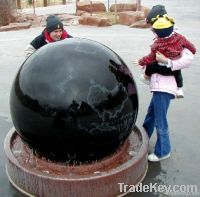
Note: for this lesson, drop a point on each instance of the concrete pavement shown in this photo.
(183, 167)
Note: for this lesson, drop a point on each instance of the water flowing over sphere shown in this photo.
(74, 99)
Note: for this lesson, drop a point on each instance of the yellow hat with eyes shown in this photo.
(163, 25)
(162, 22)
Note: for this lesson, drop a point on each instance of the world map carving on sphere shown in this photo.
(74, 97)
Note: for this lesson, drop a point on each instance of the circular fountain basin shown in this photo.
(37, 176)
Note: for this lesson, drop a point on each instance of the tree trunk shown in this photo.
(76, 6)
(19, 4)
(4, 15)
(34, 6)
(138, 5)
(45, 2)
(108, 5)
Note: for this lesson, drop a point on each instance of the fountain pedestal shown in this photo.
(36, 176)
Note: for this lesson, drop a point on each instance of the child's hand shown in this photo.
(161, 58)
(136, 62)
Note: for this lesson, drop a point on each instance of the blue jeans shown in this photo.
(157, 118)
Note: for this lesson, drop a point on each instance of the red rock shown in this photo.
(140, 24)
(130, 17)
(15, 26)
(145, 10)
(91, 6)
(94, 21)
(121, 7)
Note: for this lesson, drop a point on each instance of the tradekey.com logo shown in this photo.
(169, 190)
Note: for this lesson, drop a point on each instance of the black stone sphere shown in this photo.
(74, 99)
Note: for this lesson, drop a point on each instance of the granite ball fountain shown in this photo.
(74, 105)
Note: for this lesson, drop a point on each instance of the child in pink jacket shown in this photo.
(164, 89)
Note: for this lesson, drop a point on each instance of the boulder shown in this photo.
(130, 17)
(121, 7)
(26, 18)
(15, 26)
(140, 24)
(145, 10)
(94, 21)
(80, 13)
(91, 6)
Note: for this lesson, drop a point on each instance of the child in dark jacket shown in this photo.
(54, 31)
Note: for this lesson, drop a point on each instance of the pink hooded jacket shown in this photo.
(168, 84)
